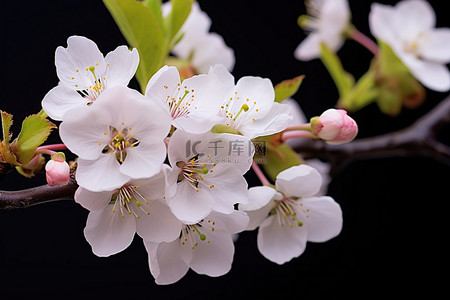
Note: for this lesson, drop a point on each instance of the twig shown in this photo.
(418, 139)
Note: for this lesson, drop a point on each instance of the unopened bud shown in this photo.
(334, 126)
(57, 170)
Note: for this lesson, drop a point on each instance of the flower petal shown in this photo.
(61, 99)
(281, 244)
(163, 84)
(122, 64)
(165, 261)
(92, 200)
(107, 232)
(381, 21)
(80, 54)
(212, 50)
(413, 17)
(144, 160)
(160, 225)
(325, 218)
(222, 73)
(299, 181)
(436, 45)
(432, 75)
(258, 197)
(101, 174)
(309, 48)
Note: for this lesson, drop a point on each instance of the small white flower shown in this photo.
(290, 215)
(249, 107)
(119, 138)
(192, 104)
(409, 29)
(327, 21)
(115, 216)
(84, 74)
(206, 247)
(202, 48)
(206, 174)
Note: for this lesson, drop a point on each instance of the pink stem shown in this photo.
(362, 39)
(260, 174)
(54, 147)
(301, 134)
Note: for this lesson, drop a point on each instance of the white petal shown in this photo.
(61, 99)
(436, 45)
(414, 16)
(92, 200)
(101, 174)
(145, 160)
(381, 21)
(432, 75)
(280, 244)
(83, 131)
(275, 121)
(160, 225)
(81, 53)
(212, 50)
(165, 261)
(258, 197)
(256, 89)
(234, 222)
(213, 256)
(335, 15)
(228, 188)
(325, 218)
(309, 48)
(107, 232)
(299, 181)
(188, 205)
(222, 73)
(122, 65)
(163, 84)
(151, 188)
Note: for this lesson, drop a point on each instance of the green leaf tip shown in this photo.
(287, 88)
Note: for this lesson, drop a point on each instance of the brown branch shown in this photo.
(37, 195)
(418, 139)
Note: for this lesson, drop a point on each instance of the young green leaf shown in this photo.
(6, 125)
(35, 131)
(176, 18)
(287, 88)
(142, 29)
(344, 81)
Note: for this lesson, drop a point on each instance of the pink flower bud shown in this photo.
(57, 172)
(334, 126)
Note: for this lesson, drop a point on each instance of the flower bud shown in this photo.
(334, 126)
(57, 170)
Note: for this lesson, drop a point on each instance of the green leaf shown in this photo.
(344, 81)
(155, 7)
(35, 131)
(176, 18)
(279, 158)
(388, 62)
(6, 125)
(141, 28)
(287, 88)
(363, 93)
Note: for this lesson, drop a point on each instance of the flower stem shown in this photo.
(54, 147)
(363, 40)
(259, 173)
(306, 126)
(302, 134)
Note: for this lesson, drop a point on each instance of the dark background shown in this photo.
(394, 236)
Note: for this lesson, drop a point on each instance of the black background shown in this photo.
(394, 236)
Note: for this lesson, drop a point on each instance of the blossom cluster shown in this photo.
(168, 164)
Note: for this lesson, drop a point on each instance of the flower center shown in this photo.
(129, 201)
(192, 235)
(194, 170)
(89, 84)
(288, 211)
(238, 113)
(119, 143)
(180, 104)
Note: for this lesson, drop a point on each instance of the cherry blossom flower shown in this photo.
(409, 29)
(119, 138)
(115, 216)
(327, 22)
(84, 74)
(334, 126)
(290, 214)
(249, 107)
(206, 173)
(206, 247)
(192, 103)
(201, 47)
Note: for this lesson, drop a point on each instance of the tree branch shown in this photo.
(418, 139)
(37, 195)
